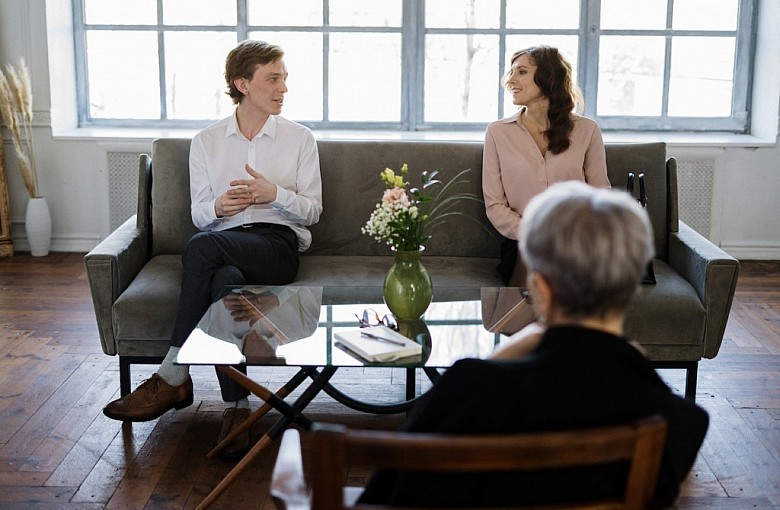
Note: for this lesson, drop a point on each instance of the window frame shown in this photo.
(413, 33)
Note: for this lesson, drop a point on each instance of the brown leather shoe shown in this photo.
(232, 417)
(150, 400)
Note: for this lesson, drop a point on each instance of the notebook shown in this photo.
(389, 346)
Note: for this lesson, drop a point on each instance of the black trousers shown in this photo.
(508, 259)
(262, 254)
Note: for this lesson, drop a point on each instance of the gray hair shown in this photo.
(591, 245)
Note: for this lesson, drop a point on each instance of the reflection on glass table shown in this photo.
(297, 326)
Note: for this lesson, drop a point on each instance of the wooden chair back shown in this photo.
(335, 448)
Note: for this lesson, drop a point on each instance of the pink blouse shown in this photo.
(514, 170)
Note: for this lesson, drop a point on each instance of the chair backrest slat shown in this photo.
(640, 443)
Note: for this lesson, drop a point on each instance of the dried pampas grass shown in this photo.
(17, 113)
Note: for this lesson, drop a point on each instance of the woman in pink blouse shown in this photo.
(543, 143)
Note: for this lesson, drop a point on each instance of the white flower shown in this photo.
(404, 216)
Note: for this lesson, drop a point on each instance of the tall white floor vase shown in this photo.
(37, 221)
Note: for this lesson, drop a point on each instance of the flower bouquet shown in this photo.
(406, 216)
(404, 219)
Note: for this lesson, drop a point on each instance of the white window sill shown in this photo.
(146, 135)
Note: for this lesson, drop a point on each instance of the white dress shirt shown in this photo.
(284, 151)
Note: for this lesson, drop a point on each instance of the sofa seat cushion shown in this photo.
(668, 319)
(144, 313)
(358, 270)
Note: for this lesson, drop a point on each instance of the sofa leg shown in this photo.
(124, 369)
(124, 375)
(691, 375)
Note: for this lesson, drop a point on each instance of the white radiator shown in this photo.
(123, 186)
(695, 188)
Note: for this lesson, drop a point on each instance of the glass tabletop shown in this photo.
(298, 326)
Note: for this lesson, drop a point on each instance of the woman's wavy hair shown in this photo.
(555, 81)
(242, 61)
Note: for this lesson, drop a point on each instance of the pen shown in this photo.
(381, 338)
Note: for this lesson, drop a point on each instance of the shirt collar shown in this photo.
(269, 128)
(232, 125)
(514, 118)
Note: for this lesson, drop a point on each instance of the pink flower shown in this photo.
(396, 195)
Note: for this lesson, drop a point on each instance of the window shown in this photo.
(417, 64)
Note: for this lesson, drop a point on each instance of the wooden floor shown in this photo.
(57, 450)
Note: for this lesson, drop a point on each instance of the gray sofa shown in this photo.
(134, 273)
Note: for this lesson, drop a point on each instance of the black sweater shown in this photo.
(575, 378)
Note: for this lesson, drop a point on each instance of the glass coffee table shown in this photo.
(297, 326)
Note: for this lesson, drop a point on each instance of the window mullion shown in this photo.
(242, 32)
(325, 61)
(501, 59)
(413, 64)
(82, 74)
(667, 61)
(161, 59)
(743, 66)
(588, 54)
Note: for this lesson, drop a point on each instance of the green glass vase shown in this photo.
(408, 290)
(418, 331)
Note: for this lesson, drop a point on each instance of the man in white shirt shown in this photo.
(255, 186)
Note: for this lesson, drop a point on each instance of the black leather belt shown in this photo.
(272, 226)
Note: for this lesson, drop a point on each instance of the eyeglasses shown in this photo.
(371, 318)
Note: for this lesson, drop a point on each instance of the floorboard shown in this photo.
(58, 451)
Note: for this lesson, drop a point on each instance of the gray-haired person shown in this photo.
(586, 250)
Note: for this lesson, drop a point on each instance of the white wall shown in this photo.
(73, 164)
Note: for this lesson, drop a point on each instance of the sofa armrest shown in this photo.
(111, 266)
(713, 274)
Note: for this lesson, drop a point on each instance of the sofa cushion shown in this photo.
(669, 319)
(171, 218)
(650, 159)
(146, 310)
(143, 314)
(351, 188)
(356, 270)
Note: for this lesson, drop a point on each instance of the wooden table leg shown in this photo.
(285, 390)
(289, 412)
(235, 472)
